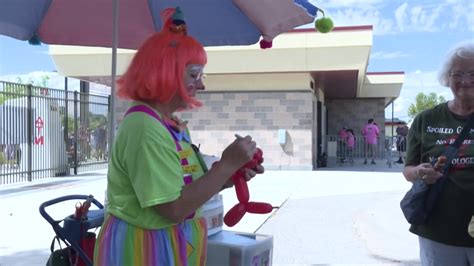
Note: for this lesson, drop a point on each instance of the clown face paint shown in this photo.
(193, 78)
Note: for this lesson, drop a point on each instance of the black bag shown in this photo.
(420, 200)
(60, 257)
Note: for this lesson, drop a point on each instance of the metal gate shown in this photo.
(48, 132)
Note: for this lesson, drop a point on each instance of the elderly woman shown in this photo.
(444, 238)
(156, 181)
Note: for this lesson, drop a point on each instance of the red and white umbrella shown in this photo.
(127, 23)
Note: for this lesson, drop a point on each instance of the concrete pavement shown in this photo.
(345, 215)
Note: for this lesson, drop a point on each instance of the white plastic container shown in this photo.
(106, 203)
(239, 249)
(213, 211)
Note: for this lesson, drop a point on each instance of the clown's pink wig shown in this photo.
(157, 70)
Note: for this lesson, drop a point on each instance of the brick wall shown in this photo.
(354, 113)
(259, 114)
(262, 114)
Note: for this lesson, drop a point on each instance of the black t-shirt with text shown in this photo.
(431, 131)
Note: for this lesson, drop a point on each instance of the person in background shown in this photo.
(444, 238)
(100, 141)
(84, 138)
(402, 132)
(370, 132)
(157, 181)
(342, 138)
(350, 140)
(342, 133)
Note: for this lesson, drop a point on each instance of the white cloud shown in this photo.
(401, 16)
(452, 1)
(462, 16)
(418, 18)
(55, 81)
(356, 13)
(346, 3)
(355, 17)
(400, 109)
(387, 55)
(389, 17)
(424, 19)
(416, 82)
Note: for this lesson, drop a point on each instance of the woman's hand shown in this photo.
(427, 173)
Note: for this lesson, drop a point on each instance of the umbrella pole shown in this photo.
(114, 74)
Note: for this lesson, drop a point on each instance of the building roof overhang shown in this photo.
(383, 85)
(335, 62)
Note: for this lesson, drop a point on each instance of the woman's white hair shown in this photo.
(464, 50)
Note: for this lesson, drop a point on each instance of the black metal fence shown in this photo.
(343, 152)
(47, 132)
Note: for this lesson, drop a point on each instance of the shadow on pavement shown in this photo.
(28, 257)
(34, 186)
(359, 166)
(397, 262)
(98, 173)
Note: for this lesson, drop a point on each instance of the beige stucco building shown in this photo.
(288, 98)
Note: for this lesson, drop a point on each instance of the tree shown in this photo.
(423, 102)
(13, 91)
(97, 120)
(70, 123)
(42, 82)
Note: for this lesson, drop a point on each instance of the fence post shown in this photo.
(29, 134)
(109, 116)
(75, 132)
(66, 114)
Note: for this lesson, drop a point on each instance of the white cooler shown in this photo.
(239, 249)
(232, 248)
(213, 211)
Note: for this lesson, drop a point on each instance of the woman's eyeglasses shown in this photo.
(459, 76)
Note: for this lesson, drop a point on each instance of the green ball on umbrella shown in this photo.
(324, 24)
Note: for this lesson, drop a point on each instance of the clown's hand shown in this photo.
(251, 173)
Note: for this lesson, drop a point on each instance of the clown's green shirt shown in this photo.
(145, 170)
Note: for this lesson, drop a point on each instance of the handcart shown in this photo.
(74, 228)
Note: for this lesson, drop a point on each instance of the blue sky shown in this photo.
(411, 36)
